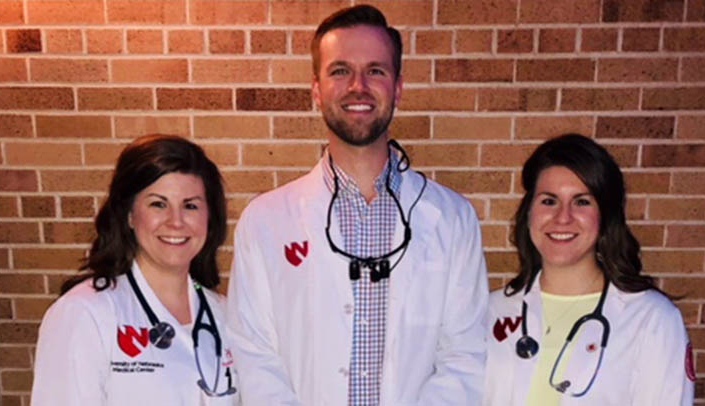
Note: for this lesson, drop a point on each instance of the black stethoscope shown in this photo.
(379, 266)
(161, 334)
(527, 346)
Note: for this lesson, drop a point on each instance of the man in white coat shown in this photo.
(361, 283)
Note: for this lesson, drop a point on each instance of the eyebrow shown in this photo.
(162, 197)
(574, 196)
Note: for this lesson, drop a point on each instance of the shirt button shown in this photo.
(348, 308)
(363, 374)
(362, 322)
(343, 371)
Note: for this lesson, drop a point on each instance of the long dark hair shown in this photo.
(140, 164)
(617, 250)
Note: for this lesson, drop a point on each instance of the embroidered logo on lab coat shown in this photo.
(295, 252)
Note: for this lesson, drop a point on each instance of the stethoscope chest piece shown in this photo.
(527, 347)
(161, 334)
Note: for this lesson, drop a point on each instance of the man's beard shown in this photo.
(357, 135)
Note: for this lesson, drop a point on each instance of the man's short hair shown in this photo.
(351, 17)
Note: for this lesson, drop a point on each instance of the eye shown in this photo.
(377, 72)
(191, 206)
(583, 201)
(158, 204)
(340, 71)
(548, 201)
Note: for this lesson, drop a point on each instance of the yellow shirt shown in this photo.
(559, 315)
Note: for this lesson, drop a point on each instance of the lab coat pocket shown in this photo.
(424, 302)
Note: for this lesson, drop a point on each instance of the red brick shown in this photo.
(15, 125)
(59, 12)
(502, 261)
(68, 70)
(134, 126)
(434, 42)
(556, 70)
(637, 70)
(684, 98)
(254, 99)
(23, 41)
(230, 71)
(11, 12)
(685, 236)
(665, 262)
(641, 11)
(88, 180)
(472, 128)
(31, 308)
(19, 332)
(640, 39)
(451, 99)
(114, 98)
(592, 99)
(145, 41)
(542, 128)
(11, 233)
(503, 155)
(269, 155)
(678, 156)
(495, 236)
(16, 180)
(299, 127)
(6, 312)
(48, 258)
(153, 11)
(635, 127)
(690, 127)
(474, 70)
(196, 99)
(36, 98)
(648, 236)
(69, 233)
(13, 70)
(309, 12)
(248, 181)
(228, 12)
(68, 41)
(43, 154)
(8, 208)
(15, 357)
(73, 126)
(298, 71)
(226, 41)
(443, 154)
(301, 42)
(692, 69)
(232, 127)
(223, 153)
(102, 153)
(647, 182)
(185, 42)
(268, 42)
(470, 12)
(627, 156)
(684, 39)
(554, 40)
(598, 39)
(677, 208)
(38, 206)
(504, 99)
(405, 12)
(476, 181)
(77, 206)
(696, 12)
(416, 71)
(99, 41)
(410, 127)
(515, 41)
(473, 41)
(21, 283)
(541, 11)
(285, 176)
(150, 71)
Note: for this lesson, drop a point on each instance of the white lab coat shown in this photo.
(80, 361)
(643, 364)
(294, 323)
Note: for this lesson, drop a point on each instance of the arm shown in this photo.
(660, 373)
(263, 377)
(71, 363)
(461, 351)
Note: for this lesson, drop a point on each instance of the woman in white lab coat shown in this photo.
(141, 325)
(580, 324)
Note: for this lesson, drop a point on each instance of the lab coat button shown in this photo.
(348, 308)
(343, 371)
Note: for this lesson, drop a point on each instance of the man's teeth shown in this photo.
(174, 240)
(561, 236)
(358, 107)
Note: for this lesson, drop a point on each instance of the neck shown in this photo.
(362, 164)
(172, 290)
(572, 282)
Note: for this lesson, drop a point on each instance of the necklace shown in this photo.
(584, 298)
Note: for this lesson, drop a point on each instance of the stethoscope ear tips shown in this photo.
(527, 347)
(161, 335)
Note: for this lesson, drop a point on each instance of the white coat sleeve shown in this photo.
(461, 351)
(661, 377)
(71, 363)
(263, 377)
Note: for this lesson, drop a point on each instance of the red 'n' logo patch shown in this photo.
(689, 365)
(502, 325)
(295, 252)
(128, 340)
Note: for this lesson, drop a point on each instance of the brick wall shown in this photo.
(485, 82)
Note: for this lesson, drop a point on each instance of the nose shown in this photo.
(564, 214)
(358, 82)
(175, 217)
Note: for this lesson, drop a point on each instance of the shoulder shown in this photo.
(281, 197)
(499, 301)
(447, 201)
(82, 305)
(656, 311)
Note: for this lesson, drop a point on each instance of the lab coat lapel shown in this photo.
(534, 325)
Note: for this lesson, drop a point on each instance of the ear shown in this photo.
(316, 92)
(129, 220)
(397, 89)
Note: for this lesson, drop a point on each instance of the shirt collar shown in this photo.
(346, 183)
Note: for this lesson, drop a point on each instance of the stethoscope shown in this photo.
(161, 334)
(379, 266)
(527, 346)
